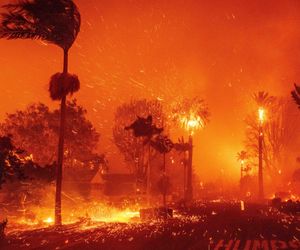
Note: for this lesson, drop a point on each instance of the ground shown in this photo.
(202, 226)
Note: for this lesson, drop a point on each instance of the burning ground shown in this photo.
(215, 225)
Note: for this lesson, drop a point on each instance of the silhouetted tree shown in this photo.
(128, 144)
(11, 164)
(35, 130)
(16, 164)
(56, 22)
(20, 178)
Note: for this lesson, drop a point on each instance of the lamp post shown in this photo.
(261, 118)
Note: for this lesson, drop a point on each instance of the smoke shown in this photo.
(221, 51)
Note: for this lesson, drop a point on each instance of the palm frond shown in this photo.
(297, 88)
(55, 21)
(263, 98)
(296, 98)
(62, 84)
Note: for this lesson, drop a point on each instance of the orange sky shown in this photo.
(219, 50)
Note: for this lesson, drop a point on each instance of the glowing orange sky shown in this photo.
(219, 50)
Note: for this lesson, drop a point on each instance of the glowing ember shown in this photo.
(242, 206)
(116, 216)
(261, 115)
(49, 220)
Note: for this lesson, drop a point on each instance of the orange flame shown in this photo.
(191, 122)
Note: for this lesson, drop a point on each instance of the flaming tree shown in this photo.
(262, 100)
(191, 115)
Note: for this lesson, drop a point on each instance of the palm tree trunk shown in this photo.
(260, 164)
(58, 220)
(164, 191)
(189, 182)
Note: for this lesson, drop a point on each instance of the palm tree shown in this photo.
(56, 22)
(192, 114)
(263, 101)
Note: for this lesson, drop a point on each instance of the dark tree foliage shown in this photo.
(126, 114)
(54, 21)
(144, 127)
(15, 165)
(11, 164)
(63, 84)
(30, 131)
(162, 144)
(81, 137)
(36, 128)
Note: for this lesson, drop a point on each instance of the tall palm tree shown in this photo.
(263, 100)
(56, 22)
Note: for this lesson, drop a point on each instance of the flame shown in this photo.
(242, 206)
(49, 220)
(95, 212)
(191, 122)
(261, 115)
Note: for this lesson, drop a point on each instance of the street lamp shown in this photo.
(261, 118)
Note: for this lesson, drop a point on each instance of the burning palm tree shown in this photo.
(191, 115)
(263, 100)
(56, 22)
